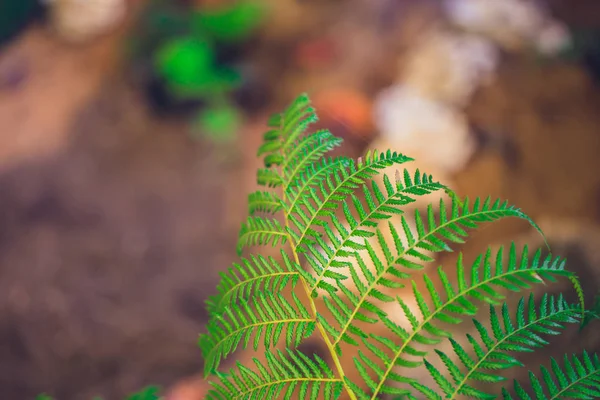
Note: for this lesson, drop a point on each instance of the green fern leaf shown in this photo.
(261, 231)
(268, 177)
(266, 202)
(487, 282)
(311, 177)
(449, 229)
(579, 378)
(520, 334)
(306, 152)
(252, 277)
(298, 377)
(305, 217)
(267, 316)
(381, 205)
(288, 127)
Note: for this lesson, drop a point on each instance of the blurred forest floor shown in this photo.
(114, 223)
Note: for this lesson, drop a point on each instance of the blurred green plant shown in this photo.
(148, 393)
(183, 47)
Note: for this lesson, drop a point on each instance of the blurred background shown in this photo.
(129, 130)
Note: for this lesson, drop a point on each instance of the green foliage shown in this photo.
(230, 24)
(299, 372)
(182, 43)
(148, 393)
(505, 338)
(346, 246)
(579, 378)
(219, 123)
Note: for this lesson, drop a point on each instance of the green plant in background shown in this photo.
(183, 44)
(148, 393)
(262, 301)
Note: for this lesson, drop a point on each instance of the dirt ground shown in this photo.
(114, 224)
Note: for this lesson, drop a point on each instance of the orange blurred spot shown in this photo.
(347, 106)
(313, 54)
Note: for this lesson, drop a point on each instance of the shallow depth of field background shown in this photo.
(121, 194)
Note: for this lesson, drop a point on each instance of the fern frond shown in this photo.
(520, 334)
(269, 178)
(312, 176)
(251, 277)
(306, 151)
(331, 192)
(381, 205)
(261, 201)
(267, 316)
(433, 239)
(288, 127)
(463, 215)
(299, 376)
(579, 378)
(487, 281)
(261, 231)
(250, 309)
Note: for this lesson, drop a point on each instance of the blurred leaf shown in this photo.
(219, 123)
(230, 24)
(212, 83)
(184, 61)
(148, 393)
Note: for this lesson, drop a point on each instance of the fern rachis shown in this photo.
(359, 248)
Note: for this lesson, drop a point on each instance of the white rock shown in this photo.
(80, 20)
(449, 67)
(553, 39)
(513, 24)
(426, 130)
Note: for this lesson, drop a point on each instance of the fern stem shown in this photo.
(420, 327)
(497, 344)
(330, 347)
(313, 308)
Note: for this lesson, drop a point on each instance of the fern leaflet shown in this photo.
(579, 378)
(267, 316)
(369, 287)
(266, 202)
(522, 337)
(259, 231)
(487, 279)
(299, 372)
(252, 277)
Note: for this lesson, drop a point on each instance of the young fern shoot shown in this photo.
(345, 244)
